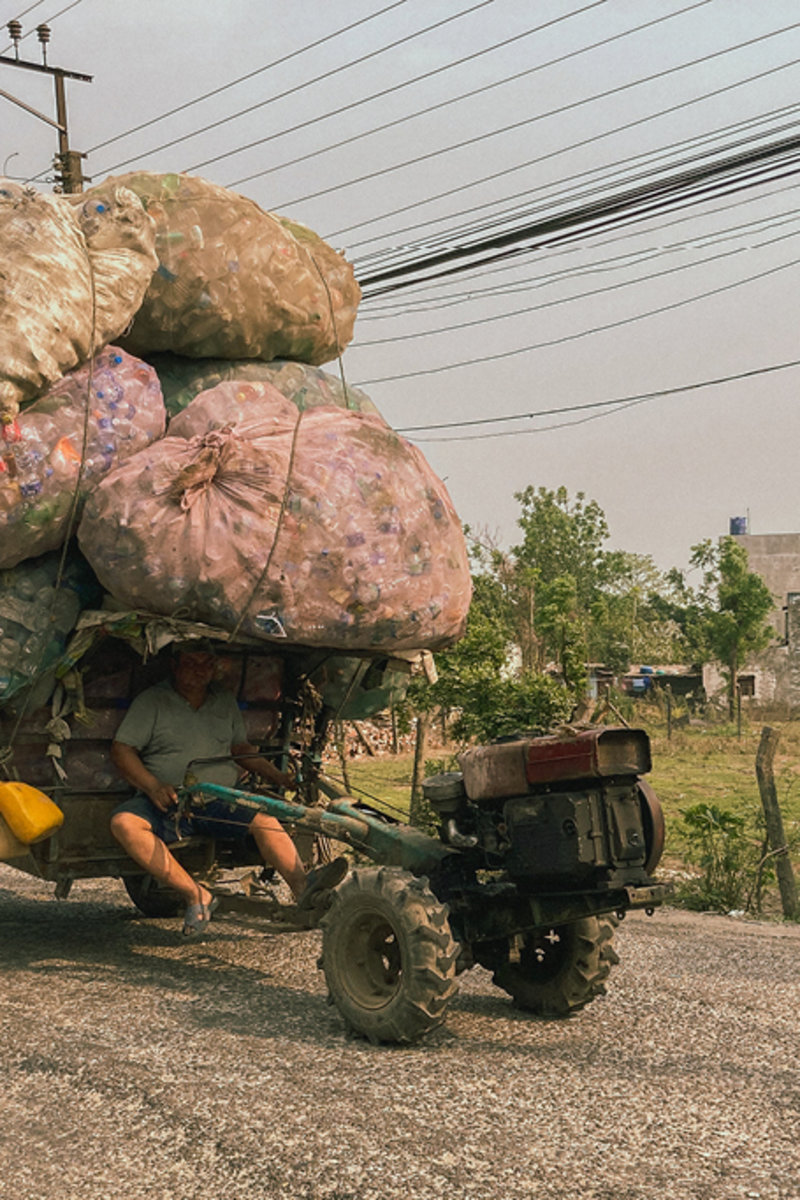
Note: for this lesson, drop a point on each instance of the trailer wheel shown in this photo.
(150, 898)
(561, 970)
(388, 955)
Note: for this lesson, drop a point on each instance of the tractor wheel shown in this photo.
(560, 971)
(150, 898)
(388, 955)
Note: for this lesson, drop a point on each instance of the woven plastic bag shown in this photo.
(38, 610)
(234, 281)
(40, 451)
(322, 527)
(308, 387)
(73, 276)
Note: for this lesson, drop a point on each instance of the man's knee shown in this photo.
(125, 825)
(266, 824)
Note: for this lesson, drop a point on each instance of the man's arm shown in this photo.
(131, 767)
(248, 756)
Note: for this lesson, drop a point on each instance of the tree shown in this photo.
(630, 621)
(583, 602)
(481, 684)
(725, 619)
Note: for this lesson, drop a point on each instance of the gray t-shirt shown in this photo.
(168, 734)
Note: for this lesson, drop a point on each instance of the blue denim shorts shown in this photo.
(215, 819)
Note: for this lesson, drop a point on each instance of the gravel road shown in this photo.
(134, 1066)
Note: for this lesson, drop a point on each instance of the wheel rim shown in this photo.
(375, 961)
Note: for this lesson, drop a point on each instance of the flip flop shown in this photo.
(197, 917)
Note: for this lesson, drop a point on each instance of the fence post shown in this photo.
(420, 750)
(777, 838)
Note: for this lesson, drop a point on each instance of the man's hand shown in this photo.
(163, 795)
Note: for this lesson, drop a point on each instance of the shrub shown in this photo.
(730, 858)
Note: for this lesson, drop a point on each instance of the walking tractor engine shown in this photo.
(561, 813)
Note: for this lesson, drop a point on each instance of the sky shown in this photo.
(483, 108)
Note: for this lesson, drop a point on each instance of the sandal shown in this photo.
(197, 917)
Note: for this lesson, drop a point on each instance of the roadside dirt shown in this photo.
(134, 1065)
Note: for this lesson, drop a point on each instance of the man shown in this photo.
(165, 729)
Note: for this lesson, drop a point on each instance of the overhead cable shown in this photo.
(462, 187)
(549, 304)
(616, 405)
(570, 337)
(403, 120)
(396, 87)
(278, 62)
(391, 308)
(298, 87)
(648, 162)
(656, 192)
(527, 121)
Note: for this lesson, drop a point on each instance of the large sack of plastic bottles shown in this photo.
(234, 281)
(72, 277)
(96, 415)
(39, 604)
(182, 379)
(321, 526)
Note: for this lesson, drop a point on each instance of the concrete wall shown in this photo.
(776, 558)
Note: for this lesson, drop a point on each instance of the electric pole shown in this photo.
(69, 174)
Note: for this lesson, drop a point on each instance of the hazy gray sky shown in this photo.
(561, 327)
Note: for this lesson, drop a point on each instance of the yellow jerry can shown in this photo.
(29, 813)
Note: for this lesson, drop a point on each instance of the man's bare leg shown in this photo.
(278, 851)
(138, 840)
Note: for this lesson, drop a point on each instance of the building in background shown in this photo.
(774, 675)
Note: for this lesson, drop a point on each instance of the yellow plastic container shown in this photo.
(10, 846)
(29, 813)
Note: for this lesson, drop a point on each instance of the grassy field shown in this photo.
(712, 766)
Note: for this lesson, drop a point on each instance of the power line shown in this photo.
(548, 304)
(570, 337)
(617, 405)
(392, 309)
(647, 161)
(307, 83)
(397, 87)
(671, 190)
(243, 78)
(451, 100)
(527, 121)
(648, 194)
(458, 190)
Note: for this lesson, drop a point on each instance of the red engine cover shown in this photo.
(516, 767)
(590, 754)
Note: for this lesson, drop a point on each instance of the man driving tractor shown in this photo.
(167, 727)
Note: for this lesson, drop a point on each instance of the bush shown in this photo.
(495, 707)
(730, 858)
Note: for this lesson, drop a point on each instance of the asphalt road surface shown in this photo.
(133, 1066)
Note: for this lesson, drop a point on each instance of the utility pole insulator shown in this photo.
(43, 34)
(15, 33)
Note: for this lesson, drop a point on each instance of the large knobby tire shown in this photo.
(150, 898)
(561, 970)
(388, 955)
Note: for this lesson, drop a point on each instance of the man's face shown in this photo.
(194, 668)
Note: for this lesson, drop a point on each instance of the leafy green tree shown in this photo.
(480, 682)
(725, 618)
(629, 622)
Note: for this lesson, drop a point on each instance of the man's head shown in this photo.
(193, 667)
